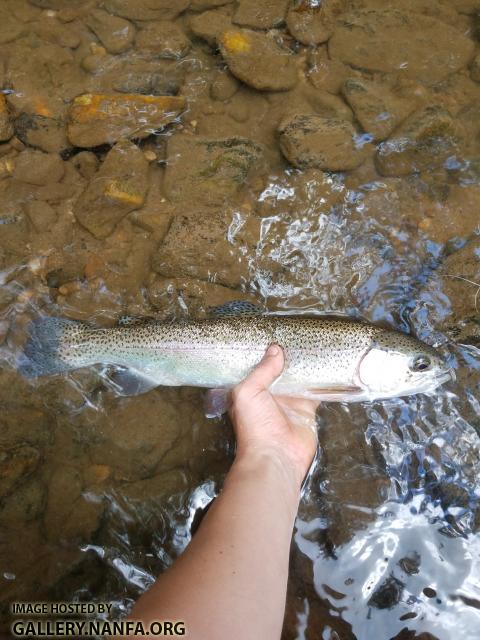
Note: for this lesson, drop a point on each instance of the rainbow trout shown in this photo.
(334, 359)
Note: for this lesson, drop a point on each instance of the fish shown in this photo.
(334, 359)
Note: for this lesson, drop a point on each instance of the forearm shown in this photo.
(231, 581)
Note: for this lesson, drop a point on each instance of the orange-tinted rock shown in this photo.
(96, 119)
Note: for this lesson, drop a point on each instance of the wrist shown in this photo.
(272, 466)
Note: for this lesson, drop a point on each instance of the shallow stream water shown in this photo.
(158, 157)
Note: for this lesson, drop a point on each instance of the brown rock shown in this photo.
(209, 172)
(224, 86)
(475, 68)
(15, 465)
(22, 424)
(6, 126)
(323, 143)
(41, 215)
(422, 142)
(43, 83)
(328, 75)
(386, 41)
(460, 279)
(57, 5)
(146, 9)
(52, 30)
(116, 34)
(256, 59)
(206, 253)
(469, 7)
(136, 449)
(210, 25)
(39, 168)
(158, 77)
(69, 514)
(96, 119)
(25, 504)
(313, 23)
(10, 27)
(203, 5)
(47, 134)
(163, 39)
(377, 108)
(120, 186)
(86, 163)
(260, 15)
(440, 9)
(156, 489)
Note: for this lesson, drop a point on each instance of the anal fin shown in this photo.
(128, 382)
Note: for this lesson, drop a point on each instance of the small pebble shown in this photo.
(150, 155)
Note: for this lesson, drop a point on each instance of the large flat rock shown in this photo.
(388, 40)
(257, 60)
(96, 119)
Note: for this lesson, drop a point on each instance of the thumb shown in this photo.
(268, 369)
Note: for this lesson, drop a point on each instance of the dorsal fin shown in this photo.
(236, 308)
(134, 321)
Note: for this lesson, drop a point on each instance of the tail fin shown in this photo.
(46, 351)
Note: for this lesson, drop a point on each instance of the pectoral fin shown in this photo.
(217, 402)
(128, 382)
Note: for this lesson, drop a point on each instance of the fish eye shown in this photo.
(421, 363)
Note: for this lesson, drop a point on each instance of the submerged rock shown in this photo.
(120, 186)
(157, 77)
(70, 515)
(260, 15)
(389, 40)
(210, 25)
(146, 9)
(328, 75)
(475, 68)
(96, 119)
(206, 252)
(330, 144)
(38, 168)
(256, 59)
(42, 215)
(203, 5)
(313, 23)
(47, 134)
(206, 171)
(460, 278)
(423, 141)
(163, 39)
(116, 34)
(15, 465)
(377, 108)
(224, 86)
(6, 125)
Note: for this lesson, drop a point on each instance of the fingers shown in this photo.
(267, 370)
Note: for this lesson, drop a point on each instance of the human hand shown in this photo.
(278, 426)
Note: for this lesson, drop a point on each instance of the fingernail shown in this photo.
(273, 350)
